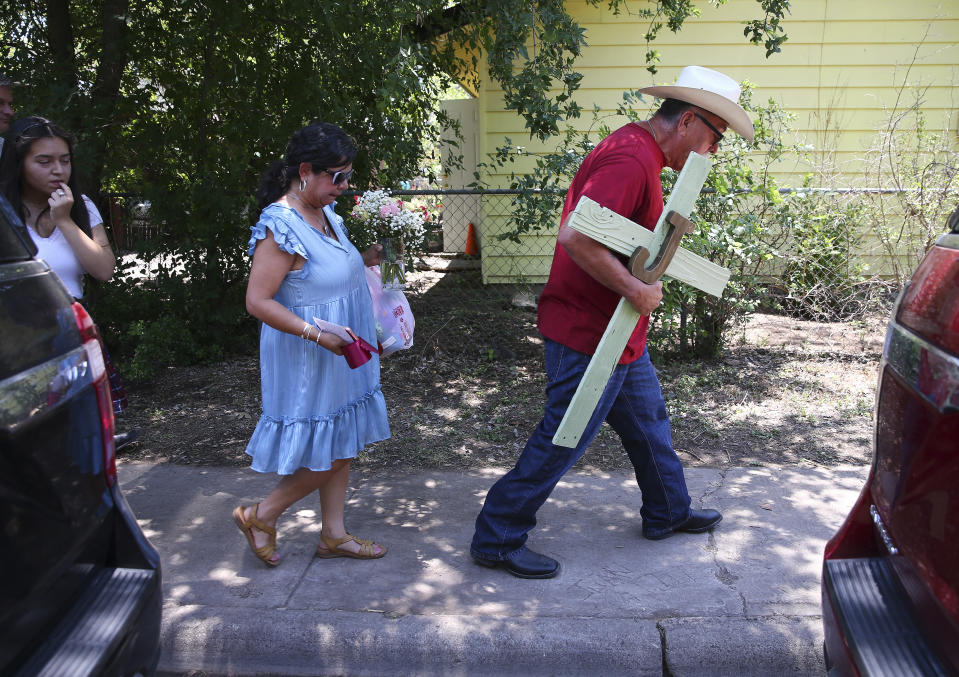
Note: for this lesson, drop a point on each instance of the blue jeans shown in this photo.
(633, 406)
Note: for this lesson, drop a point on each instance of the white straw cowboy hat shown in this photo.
(712, 91)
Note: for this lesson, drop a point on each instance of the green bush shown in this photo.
(821, 274)
(189, 308)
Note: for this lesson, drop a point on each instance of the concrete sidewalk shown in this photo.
(743, 600)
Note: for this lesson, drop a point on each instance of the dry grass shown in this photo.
(470, 391)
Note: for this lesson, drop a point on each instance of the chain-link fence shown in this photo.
(825, 260)
(466, 277)
(835, 255)
(465, 228)
(468, 229)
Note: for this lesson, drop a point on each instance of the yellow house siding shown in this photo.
(845, 62)
(841, 72)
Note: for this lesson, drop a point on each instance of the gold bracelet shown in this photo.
(319, 332)
(306, 329)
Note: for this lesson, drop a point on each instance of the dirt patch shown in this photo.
(470, 391)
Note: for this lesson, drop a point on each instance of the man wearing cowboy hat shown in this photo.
(585, 284)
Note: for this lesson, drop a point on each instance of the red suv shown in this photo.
(890, 580)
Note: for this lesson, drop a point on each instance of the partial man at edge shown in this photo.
(6, 106)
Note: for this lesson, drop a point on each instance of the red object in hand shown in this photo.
(359, 352)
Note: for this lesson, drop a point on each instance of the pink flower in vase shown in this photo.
(389, 209)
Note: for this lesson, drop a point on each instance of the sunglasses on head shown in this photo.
(29, 128)
(719, 134)
(341, 176)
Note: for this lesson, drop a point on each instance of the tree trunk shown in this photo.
(64, 65)
(105, 95)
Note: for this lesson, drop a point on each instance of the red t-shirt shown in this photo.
(621, 174)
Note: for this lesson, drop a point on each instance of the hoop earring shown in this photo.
(302, 184)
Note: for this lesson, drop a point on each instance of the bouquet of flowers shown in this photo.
(395, 225)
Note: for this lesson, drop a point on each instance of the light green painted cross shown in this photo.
(623, 236)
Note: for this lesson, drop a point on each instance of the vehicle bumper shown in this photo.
(869, 626)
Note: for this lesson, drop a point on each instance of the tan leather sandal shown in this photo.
(264, 553)
(333, 548)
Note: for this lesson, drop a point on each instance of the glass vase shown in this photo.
(393, 267)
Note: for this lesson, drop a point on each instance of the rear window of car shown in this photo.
(15, 242)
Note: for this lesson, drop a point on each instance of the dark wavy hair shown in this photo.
(321, 144)
(19, 139)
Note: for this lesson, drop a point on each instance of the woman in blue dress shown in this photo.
(318, 413)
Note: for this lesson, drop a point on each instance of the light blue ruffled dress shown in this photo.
(315, 408)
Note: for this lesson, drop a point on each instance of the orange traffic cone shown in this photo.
(472, 248)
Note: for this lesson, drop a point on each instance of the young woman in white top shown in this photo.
(36, 176)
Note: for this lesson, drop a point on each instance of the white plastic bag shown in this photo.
(391, 310)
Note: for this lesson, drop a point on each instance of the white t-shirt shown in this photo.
(58, 253)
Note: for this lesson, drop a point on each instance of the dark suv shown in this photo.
(79, 582)
(890, 586)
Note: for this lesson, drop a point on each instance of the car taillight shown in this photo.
(90, 336)
(930, 305)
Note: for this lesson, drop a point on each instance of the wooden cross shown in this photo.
(623, 236)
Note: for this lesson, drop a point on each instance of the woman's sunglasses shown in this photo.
(339, 176)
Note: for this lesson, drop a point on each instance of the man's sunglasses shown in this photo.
(339, 176)
(719, 134)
